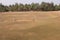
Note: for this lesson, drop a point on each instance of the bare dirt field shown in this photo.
(30, 25)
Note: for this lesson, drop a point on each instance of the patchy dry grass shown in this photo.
(30, 26)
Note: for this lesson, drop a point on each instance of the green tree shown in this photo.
(47, 6)
(57, 7)
(2, 8)
(27, 7)
(35, 6)
(21, 7)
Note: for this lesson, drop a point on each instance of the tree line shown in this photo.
(30, 7)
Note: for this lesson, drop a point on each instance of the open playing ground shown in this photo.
(30, 25)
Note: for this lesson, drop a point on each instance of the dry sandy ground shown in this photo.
(30, 25)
